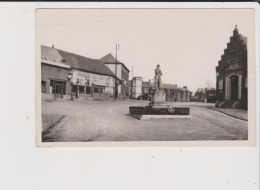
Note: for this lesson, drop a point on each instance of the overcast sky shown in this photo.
(187, 43)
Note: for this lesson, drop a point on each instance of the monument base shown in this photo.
(158, 109)
(142, 117)
(159, 98)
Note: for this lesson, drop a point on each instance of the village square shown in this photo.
(88, 100)
(144, 88)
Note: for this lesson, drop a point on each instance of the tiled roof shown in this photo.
(50, 54)
(76, 61)
(109, 58)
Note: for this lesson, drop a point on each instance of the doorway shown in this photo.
(58, 88)
(234, 87)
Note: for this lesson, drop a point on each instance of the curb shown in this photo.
(46, 131)
(229, 115)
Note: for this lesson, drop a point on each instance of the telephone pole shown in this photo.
(116, 85)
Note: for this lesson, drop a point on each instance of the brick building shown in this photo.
(121, 72)
(231, 74)
(90, 77)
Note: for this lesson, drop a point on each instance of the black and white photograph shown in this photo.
(129, 95)
(145, 75)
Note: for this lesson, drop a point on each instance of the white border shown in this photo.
(24, 166)
(252, 103)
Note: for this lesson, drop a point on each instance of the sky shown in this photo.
(187, 43)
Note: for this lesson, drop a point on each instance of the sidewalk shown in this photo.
(49, 120)
(236, 113)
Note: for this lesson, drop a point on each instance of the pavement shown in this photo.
(83, 121)
(236, 113)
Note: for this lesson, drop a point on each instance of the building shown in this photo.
(136, 87)
(173, 93)
(89, 77)
(199, 95)
(231, 74)
(147, 87)
(177, 94)
(204, 95)
(54, 73)
(211, 95)
(121, 72)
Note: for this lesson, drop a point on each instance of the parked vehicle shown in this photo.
(144, 97)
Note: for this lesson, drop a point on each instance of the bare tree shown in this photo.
(209, 84)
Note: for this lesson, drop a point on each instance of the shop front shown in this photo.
(99, 87)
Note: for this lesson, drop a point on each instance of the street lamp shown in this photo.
(69, 78)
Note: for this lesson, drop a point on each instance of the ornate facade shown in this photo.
(231, 73)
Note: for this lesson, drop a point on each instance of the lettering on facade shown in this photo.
(83, 78)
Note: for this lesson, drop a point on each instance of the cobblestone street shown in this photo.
(109, 121)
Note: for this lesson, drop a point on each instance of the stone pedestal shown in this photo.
(158, 109)
(158, 98)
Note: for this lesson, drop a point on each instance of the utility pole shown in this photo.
(116, 85)
(132, 72)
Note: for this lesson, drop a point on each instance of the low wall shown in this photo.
(47, 97)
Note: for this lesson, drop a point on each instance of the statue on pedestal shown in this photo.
(157, 77)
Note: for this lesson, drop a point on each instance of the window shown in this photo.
(43, 85)
(234, 50)
(232, 61)
(88, 90)
(96, 89)
(58, 87)
(81, 89)
(220, 84)
(99, 89)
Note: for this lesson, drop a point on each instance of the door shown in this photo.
(234, 87)
(58, 90)
(116, 91)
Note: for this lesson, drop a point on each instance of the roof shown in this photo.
(244, 39)
(146, 85)
(76, 61)
(170, 86)
(110, 59)
(174, 87)
(201, 90)
(50, 54)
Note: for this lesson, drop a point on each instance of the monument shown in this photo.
(159, 96)
(158, 108)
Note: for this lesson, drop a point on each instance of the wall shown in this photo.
(137, 87)
(53, 72)
(112, 68)
(233, 62)
(124, 85)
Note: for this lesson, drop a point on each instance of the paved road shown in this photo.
(109, 121)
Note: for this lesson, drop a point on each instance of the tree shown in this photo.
(209, 84)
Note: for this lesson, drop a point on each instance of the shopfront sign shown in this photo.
(87, 79)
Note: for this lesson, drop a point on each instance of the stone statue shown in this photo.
(157, 77)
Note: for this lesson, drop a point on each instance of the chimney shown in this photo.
(52, 46)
